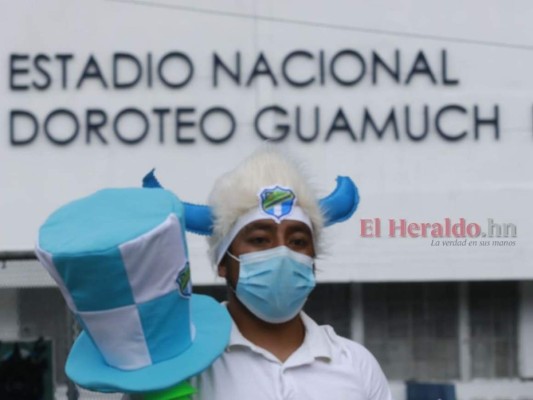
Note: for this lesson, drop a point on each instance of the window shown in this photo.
(493, 329)
(330, 304)
(412, 329)
(43, 312)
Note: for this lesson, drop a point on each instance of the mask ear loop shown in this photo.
(234, 257)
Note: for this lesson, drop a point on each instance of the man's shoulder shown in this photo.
(329, 334)
(361, 361)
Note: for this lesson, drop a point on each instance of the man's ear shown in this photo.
(223, 267)
(222, 270)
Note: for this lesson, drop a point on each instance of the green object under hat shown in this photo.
(183, 391)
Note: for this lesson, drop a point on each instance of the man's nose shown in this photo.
(280, 239)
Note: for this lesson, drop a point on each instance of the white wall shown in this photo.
(488, 53)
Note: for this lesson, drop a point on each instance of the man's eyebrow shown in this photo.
(299, 228)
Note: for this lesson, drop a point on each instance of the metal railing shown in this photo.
(20, 255)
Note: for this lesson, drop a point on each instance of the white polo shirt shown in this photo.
(325, 367)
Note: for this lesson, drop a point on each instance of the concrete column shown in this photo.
(525, 330)
(9, 321)
(357, 321)
(465, 361)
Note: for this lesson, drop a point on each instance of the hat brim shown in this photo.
(87, 368)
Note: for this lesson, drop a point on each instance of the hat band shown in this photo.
(297, 214)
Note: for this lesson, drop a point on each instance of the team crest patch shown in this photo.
(184, 281)
(277, 201)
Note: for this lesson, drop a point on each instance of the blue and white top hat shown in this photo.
(120, 259)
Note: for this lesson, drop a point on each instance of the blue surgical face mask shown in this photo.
(274, 284)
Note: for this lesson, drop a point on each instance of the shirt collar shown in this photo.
(314, 346)
(316, 338)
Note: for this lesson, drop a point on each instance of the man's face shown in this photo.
(266, 234)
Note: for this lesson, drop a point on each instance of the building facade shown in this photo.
(427, 107)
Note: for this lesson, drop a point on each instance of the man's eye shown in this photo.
(300, 242)
(257, 240)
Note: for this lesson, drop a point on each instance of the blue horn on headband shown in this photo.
(341, 203)
(198, 218)
(337, 207)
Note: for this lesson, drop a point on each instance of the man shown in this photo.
(266, 236)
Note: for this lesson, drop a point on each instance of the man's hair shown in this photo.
(236, 192)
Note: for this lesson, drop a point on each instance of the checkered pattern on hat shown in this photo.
(132, 298)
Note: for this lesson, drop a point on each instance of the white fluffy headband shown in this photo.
(234, 195)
